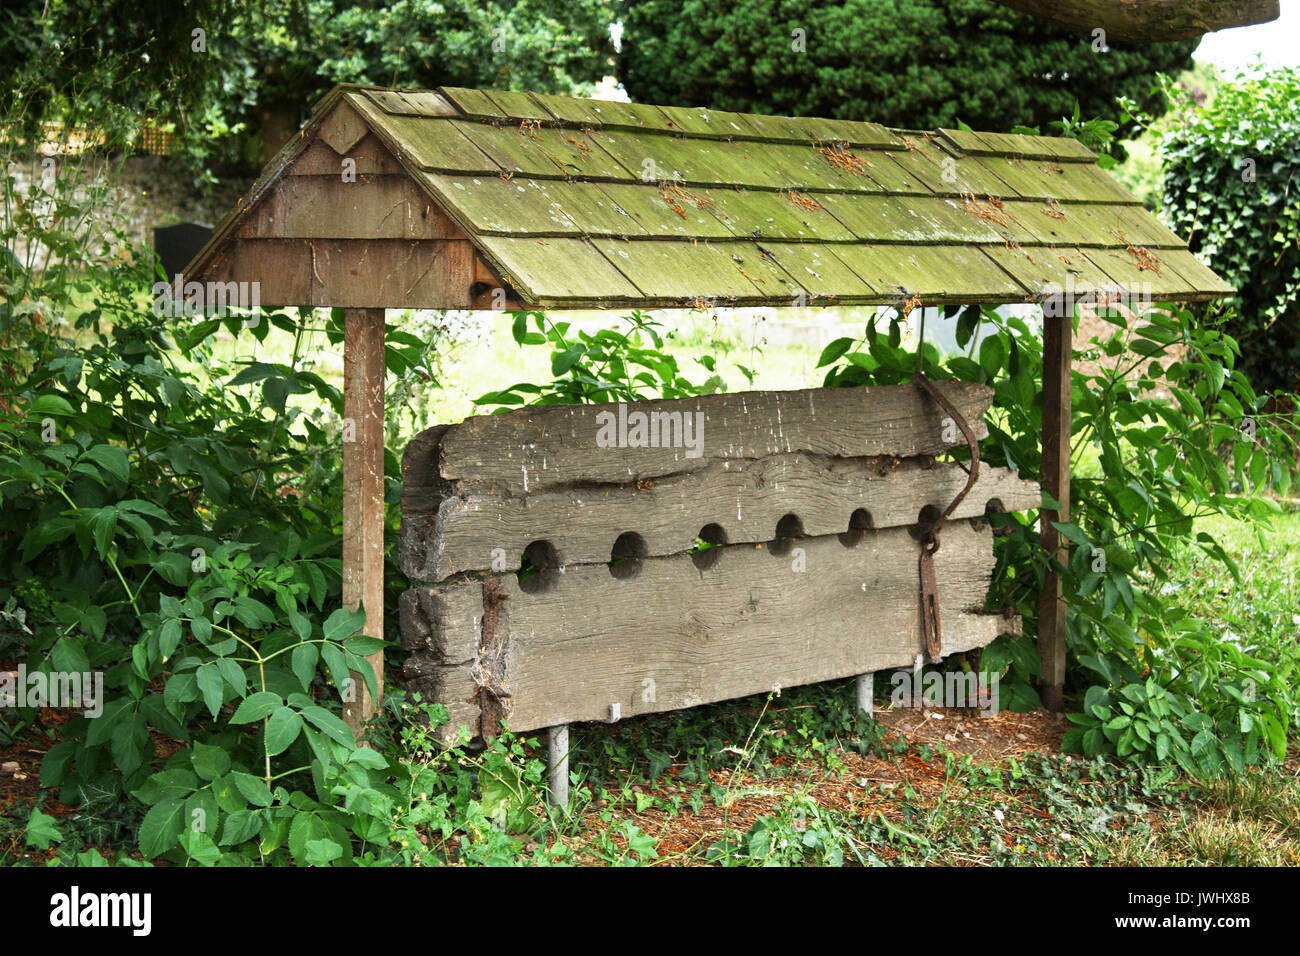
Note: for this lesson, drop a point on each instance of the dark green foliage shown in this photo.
(1160, 683)
(915, 64)
(113, 66)
(1230, 187)
(170, 523)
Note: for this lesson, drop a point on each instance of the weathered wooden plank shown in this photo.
(533, 448)
(369, 157)
(476, 104)
(709, 124)
(412, 102)
(495, 206)
(343, 128)
(453, 686)
(558, 269)
(443, 621)
(281, 269)
(1195, 273)
(1137, 226)
(745, 500)
(434, 144)
(646, 205)
(1062, 149)
(432, 274)
(686, 272)
(949, 175)
(674, 636)
(367, 207)
(758, 214)
(522, 152)
(818, 271)
(810, 166)
(1137, 277)
(363, 495)
(633, 116)
(920, 219)
(519, 106)
(1050, 270)
(353, 273)
(570, 110)
(927, 271)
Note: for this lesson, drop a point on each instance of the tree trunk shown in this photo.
(1149, 21)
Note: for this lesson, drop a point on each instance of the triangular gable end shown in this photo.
(337, 220)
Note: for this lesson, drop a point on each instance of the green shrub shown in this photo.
(1230, 188)
(171, 524)
(1159, 683)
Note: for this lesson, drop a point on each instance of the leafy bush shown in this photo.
(605, 366)
(1229, 187)
(170, 523)
(1159, 682)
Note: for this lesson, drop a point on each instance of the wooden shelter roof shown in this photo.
(573, 203)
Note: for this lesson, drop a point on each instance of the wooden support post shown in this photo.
(557, 765)
(363, 493)
(866, 693)
(1057, 349)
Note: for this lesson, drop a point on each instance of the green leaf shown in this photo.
(282, 730)
(330, 725)
(303, 661)
(241, 826)
(169, 638)
(256, 706)
(363, 644)
(112, 459)
(322, 852)
(343, 624)
(161, 828)
(50, 405)
(42, 830)
(209, 762)
(200, 848)
(367, 758)
(306, 827)
(211, 686)
(254, 789)
(834, 350)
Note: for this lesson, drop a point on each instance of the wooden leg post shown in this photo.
(1057, 348)
(557, 765)
(866, 687)
(363, 493)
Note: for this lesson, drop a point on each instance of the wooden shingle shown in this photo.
(577, 202)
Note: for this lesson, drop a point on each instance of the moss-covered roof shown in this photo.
(580, 202)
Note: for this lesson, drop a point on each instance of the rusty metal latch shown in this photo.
(931, 631)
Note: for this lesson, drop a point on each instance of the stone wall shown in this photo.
(127, 196)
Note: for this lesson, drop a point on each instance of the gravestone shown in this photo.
(177, 245)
